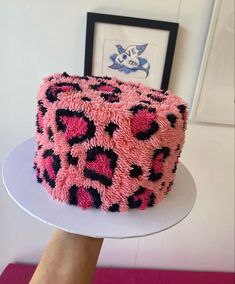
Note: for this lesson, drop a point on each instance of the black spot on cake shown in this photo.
(136, 108)
(53, 91)
(146, 102)
(151, 200)
(143, 126)
(172, 119)
(114, 208)
(158, 159)
(181, 108)
(132, 203)
(39, 116)
(108, 92)
(100, 165)
(155, 98)
(136, 171)
(85, 99)
(39, 180)
(73, 195)
(39, 146)
(111, 98)
(135, 200)
(64, 74)
(52, 165)
(50, 134)
(72, 160)
(96, 196)
(110, 128)
(66, 119)
(103, 77)
(84, 78)
(175, 168)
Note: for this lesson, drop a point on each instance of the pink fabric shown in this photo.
(22, 273)
(99, 112)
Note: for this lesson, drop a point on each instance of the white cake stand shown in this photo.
(20, 182)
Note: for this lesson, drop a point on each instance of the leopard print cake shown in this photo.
(105, 143)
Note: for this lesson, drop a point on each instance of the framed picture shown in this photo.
(214, 95)
(130, 49)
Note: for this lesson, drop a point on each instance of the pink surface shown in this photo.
(21, 274)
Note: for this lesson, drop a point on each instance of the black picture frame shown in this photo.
(95, 18)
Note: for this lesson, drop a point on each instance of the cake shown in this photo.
(105, 143)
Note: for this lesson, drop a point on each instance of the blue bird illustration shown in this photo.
(128, 59)
(120, 49)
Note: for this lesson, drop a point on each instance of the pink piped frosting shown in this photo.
(107, 144)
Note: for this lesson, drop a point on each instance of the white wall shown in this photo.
(38, 38)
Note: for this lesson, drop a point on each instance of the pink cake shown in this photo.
(105, 143)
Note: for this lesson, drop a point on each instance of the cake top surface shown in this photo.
(107, 93)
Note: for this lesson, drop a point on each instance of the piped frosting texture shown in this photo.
(106, 143)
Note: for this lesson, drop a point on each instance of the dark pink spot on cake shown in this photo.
(106, 88)
(158, 159)
(66, 88)
(49, 167)
(84, 198)
(40, 119)
(52, 165)
(75, 126)
(53, 91)
(100, 165)
(144, 198)
(155, 98)
(39, 180)
(111, 98)
(143, 124)
(157, 164)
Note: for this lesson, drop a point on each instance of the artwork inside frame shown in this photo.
(131, 49)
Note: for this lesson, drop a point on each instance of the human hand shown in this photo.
(68, 259)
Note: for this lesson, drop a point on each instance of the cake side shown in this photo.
(105, 143)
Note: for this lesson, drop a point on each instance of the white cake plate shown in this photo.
(20, 182)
